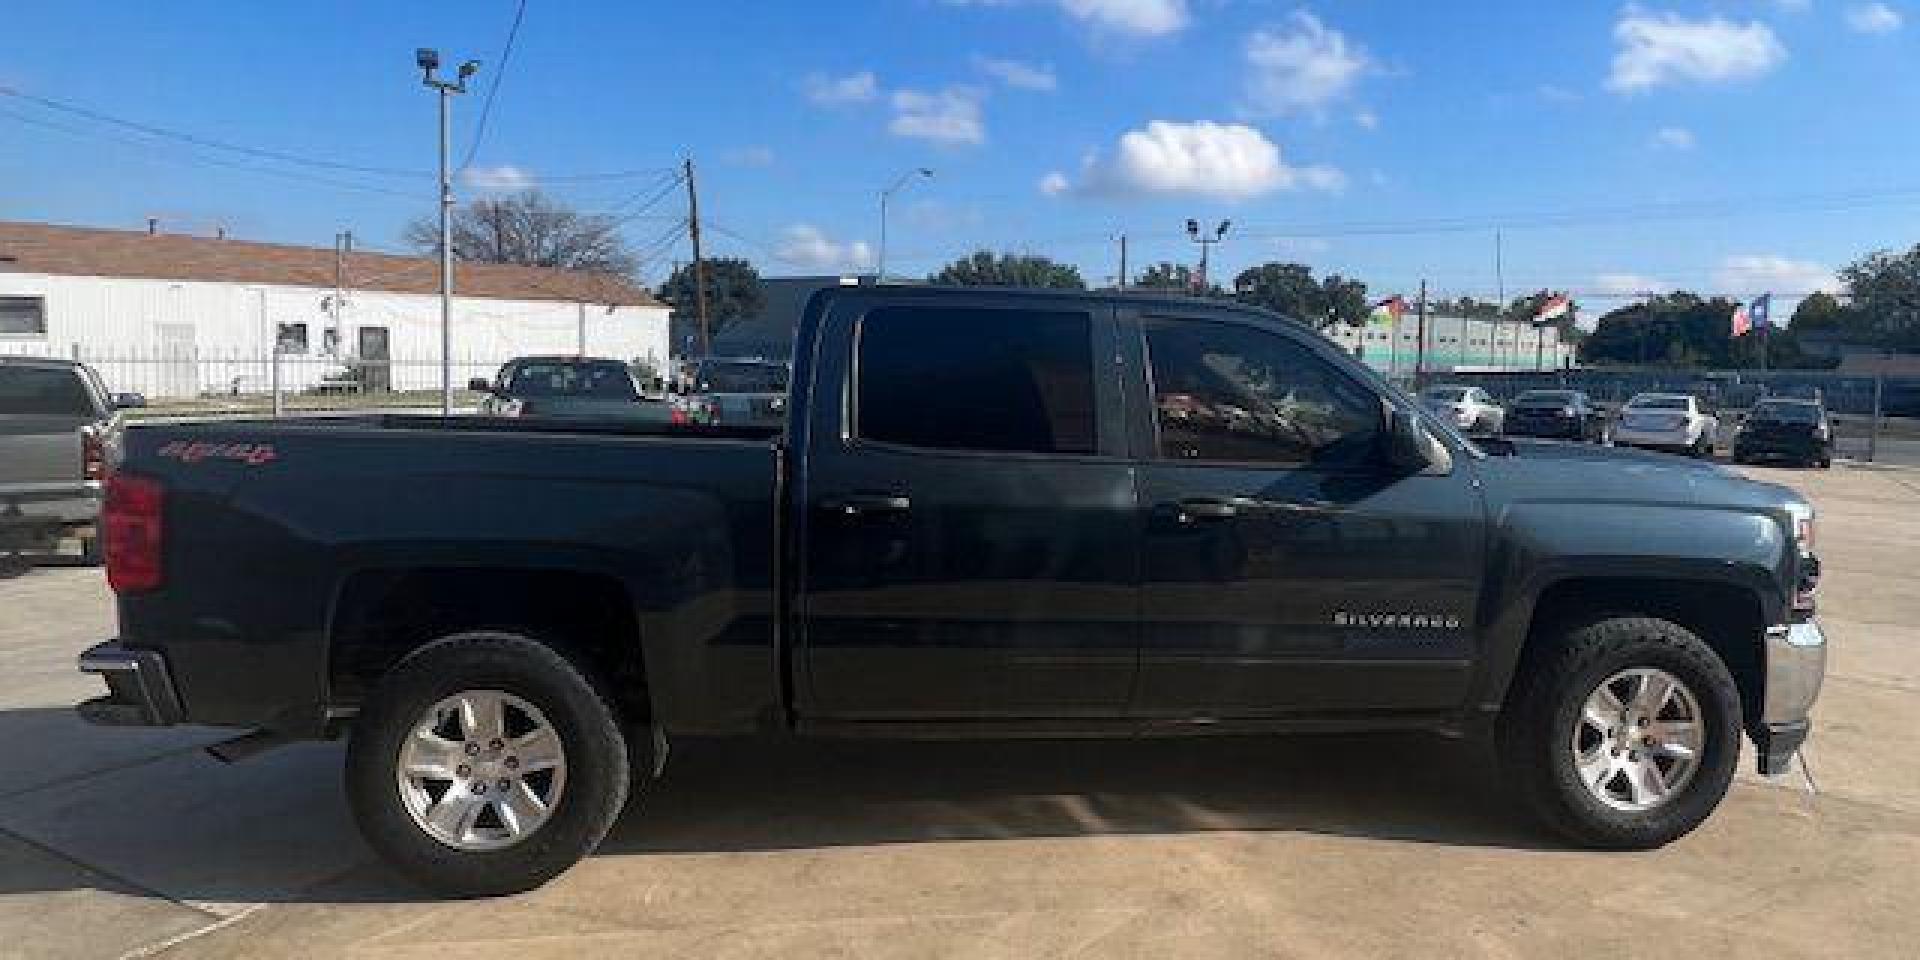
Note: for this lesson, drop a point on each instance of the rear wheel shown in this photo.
(486, 764)
(1623, 734)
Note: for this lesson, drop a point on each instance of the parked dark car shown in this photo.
(57, 422)
(989, 513)
(1556, 415)
(568, 387)
(1798, 431)
(735, 391)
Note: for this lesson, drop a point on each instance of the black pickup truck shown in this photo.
(990, 514)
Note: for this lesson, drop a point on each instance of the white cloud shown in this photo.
(1673, 138)
(1224, 161)
(1752, 274)
(505, 178)
(1657, 48)
(947, 116)
(862, 87)
(1873, 18)
(1629, 283)
(1302, 67)
(808, 247)
(1140, 18)
(1367, 119)
(753, 156)
(1023, 76)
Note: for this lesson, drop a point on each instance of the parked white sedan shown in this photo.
(1674, 422)
(1470, 408)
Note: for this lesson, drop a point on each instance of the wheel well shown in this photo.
(1726, 616)
(383, 615)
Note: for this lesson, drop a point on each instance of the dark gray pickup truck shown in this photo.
(989, 514)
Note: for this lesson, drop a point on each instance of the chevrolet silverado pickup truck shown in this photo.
(56, 421)
(990, 513)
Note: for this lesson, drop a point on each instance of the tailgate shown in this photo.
(40, 454)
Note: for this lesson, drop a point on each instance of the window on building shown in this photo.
(292, 338)
(987, 380)
(1233, 393)
(23, 316)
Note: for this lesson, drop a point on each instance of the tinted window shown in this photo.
(1787, 412)
(1225, 391)
(1448, 394)
(1659, 403)
(1546, 398)
(43, 391)
(741, 378)
(562, 379)
(1013, 380)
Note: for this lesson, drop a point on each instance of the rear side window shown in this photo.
(43, 391)
(1228, 392)
(1018, 381)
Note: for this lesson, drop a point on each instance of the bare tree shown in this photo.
(532, 229)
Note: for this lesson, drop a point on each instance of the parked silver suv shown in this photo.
(57, 420)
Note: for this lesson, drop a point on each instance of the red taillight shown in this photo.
(677, 415)
(93, 456)
(131, 522)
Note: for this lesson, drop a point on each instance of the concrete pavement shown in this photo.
(114, 841)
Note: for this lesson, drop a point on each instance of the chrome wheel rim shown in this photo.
(1638, 739)
(481, 770)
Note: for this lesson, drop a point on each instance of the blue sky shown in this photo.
(1729, 146)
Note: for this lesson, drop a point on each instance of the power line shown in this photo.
(493, 88)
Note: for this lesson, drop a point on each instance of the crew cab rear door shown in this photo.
(968, 540)
(1289, 568)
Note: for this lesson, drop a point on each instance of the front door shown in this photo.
(375, 359)
(967, 514)
(1289, 570)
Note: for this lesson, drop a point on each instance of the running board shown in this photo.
(247, 745)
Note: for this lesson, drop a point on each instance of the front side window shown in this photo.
(1017, 381)
(1230, 392)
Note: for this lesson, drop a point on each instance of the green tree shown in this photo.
(733, 293)
(1818, 311)
(1676, 329)
(984, 268)
(1172, 278)
(1886, 292)
(1291, 290)
(1466, 307)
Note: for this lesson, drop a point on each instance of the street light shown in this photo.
(428, 60)
(1206, 242)
(885, 195)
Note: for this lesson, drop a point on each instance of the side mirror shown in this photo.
(480, 385)
(128, 401)
(1410, 447)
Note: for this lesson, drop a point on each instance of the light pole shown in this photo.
(885, 195)
(1206, 243)
(429, 61)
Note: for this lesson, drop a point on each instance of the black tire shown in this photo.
(1543, 709)
(588, 728)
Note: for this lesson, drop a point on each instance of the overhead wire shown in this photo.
(493, 86)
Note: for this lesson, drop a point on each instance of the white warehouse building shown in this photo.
(181, 316)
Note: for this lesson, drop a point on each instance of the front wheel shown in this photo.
(486, 764)
(1623, 733)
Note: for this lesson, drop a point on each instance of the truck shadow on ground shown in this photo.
(226, 842)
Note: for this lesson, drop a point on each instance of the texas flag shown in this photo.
(1758, 312)
(1553, 309)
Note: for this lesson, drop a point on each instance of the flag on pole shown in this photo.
(1553, 309)
(1758, 312)
(1388, 310)
(1742, 321)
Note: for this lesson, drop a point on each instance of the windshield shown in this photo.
(1446, 394)
(603, 380)
(43, 391)
(741, 378)
(1545, 398)
(1659, 403)
(1787, 412)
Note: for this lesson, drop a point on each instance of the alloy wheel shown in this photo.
(481, 770)
(1638, 739)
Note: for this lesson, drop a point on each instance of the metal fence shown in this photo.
(1875, 417)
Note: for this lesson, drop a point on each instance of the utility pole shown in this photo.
(699, 262)
(429, 62)
(1206, 242)
(1500, 292)
(1123, 263)
(1420, 349)
(880, 266)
